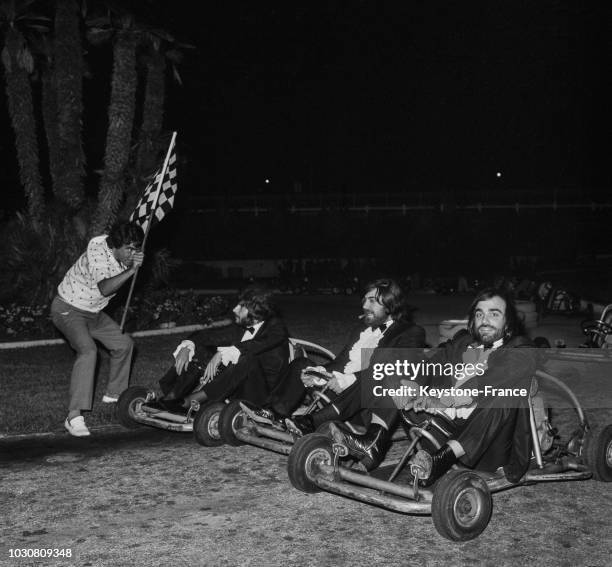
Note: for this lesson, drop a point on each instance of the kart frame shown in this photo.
(133, 411)
(460, 502)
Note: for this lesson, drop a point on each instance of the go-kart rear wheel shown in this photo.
(127, 404)
(231, 419)
(598, 454)
(305, 454)
(461, 505)
(206, 424)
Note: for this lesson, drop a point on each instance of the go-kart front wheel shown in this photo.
(231, 419)
(127, 403)
(598, 453)
(305, 454)
(461, 505)
(206, 424)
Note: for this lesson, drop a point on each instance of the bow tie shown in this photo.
(381, 328)
(250, 330)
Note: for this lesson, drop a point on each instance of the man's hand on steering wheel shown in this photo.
(334, 385)
(428, 404)
(309, 379)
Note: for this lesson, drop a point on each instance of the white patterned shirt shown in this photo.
(79, 287)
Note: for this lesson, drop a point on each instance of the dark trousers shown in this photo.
(286, 397)
(487, 437)
(177, 386)
(244, 381)
(357, 403)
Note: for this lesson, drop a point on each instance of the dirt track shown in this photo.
(153, 498)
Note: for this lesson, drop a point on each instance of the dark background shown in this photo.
(378, 125)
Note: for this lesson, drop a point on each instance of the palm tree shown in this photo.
(120, 122)
(18, 64)
(68, 74)
(160, 50)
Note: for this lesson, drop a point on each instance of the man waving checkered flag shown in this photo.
(158, 197)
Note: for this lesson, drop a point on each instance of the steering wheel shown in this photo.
(596, 331)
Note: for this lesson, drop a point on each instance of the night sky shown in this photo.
(397, 96)
(379, 96)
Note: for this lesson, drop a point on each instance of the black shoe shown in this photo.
(369, 448)
(430, 468)
(300, 425)
(261, 415)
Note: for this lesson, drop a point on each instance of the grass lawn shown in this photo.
(34, 382)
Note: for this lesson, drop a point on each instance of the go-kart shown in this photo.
(599, 331)
(460, 501)
(237, 428)
(597, 346)
(133, 409)
(226, 422)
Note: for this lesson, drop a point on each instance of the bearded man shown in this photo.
(387, 331)
(249, 368)
(492, 430)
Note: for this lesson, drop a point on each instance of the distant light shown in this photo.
(267, 181)
(498, 174)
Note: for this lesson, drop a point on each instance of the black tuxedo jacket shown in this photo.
(268, 350)
(507, 367)
(398, 335)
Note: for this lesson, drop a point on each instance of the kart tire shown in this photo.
(598, 454)
(306, 452)
(461, 505)
(206, 424)
(232, 418)
(126, 405)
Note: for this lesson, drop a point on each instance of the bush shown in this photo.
(147, 311)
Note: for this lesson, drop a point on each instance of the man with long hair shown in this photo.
(492, 428)
(249, 368)
(386, 324)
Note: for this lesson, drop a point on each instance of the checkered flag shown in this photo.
(158, 195)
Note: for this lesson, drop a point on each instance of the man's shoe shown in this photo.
(300, 425)
(76, 426)
(260, 415)
(369, 448)
(430, 468)
(106, 399)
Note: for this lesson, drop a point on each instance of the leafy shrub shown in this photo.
(147, 311)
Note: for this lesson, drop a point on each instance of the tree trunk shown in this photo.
(148, 149)
(119, 135)
(21, 110)
(49, 116)
(152, 114)
(69, 65)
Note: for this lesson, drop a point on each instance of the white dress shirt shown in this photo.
(368, 339)
(464, 406)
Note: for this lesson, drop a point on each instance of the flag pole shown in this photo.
(149, 223)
